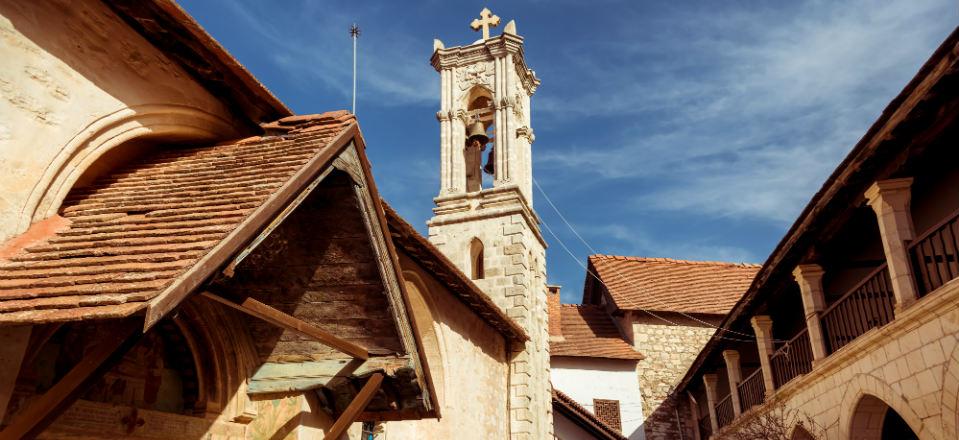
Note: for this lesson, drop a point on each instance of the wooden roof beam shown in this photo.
(44, 410)
(355, 407)
(269, 314)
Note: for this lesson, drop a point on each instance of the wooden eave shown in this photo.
(171, 30)
(583, 418)
(927, 105)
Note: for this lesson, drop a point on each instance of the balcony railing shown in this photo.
(934, 255)
(724, 411)
(752, 390)
(866, 306)
(794, 358)
(705, 427)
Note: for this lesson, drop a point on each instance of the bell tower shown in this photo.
(487, 226)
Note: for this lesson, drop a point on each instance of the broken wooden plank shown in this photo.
(274, 377)
(355, 407)
(44, 410)
(269, 314)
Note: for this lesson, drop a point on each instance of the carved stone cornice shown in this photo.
(488, 50)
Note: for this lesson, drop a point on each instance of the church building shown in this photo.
(183, 257)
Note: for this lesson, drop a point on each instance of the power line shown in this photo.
(624, 278)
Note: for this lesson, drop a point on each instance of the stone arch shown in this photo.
(478, 97)
(949, 396)
(423, 312)
(224, 354)
(864, 399)
(142, 122)
(477, 259)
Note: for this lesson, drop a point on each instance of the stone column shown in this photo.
(694, 413)
(763, 327)
(711, 380)
(890, 200)
(809, 277)
(735, 374)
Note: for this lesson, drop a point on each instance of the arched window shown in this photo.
(477, 272)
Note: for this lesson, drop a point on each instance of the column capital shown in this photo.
(808, 271)
(711, 380)
(762, 324)
(730, 355)
(888, 190)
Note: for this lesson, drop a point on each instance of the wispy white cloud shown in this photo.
(309, 42)
(626, 240)
(747, 116)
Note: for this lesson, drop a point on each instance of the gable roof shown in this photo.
(420, 249)
(148, 234)
(568, 407)
(588, 331)
(668, 285)
(154, 229)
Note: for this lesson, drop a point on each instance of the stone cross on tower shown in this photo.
(486, 21)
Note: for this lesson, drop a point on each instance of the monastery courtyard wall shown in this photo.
(911, 364)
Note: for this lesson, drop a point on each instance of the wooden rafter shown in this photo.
(355, 407)
(269, 314)
(45, 409)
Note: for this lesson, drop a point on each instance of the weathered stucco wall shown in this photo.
(565, 429)
(910, 364)
(585, 379)
(75, 82)
(467, 360)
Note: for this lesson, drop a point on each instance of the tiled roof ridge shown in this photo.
(672, 260)
(304, 121)
(582, 306)
(586, 414)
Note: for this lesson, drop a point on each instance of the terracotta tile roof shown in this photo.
(588, 331)
(568, 407)
(136, 232)
(668, 285)
(420, 249)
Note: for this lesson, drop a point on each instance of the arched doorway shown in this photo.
(873, 419)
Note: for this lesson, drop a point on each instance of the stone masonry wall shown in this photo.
(670, 350)
(515, 279)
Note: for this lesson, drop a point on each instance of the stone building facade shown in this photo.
(853, 319)
(668, 310)
(492, 233)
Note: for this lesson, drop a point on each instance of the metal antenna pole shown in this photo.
(354, 34)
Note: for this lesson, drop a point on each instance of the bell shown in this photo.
(488, 168)
(477, 132)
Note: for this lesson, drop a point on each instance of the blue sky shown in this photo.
(683, 129)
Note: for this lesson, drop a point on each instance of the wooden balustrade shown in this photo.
(934, 255)
(724, 411)
(752, 390)
(868, 305)
(794, 358)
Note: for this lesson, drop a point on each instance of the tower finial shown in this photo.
(486, 21)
